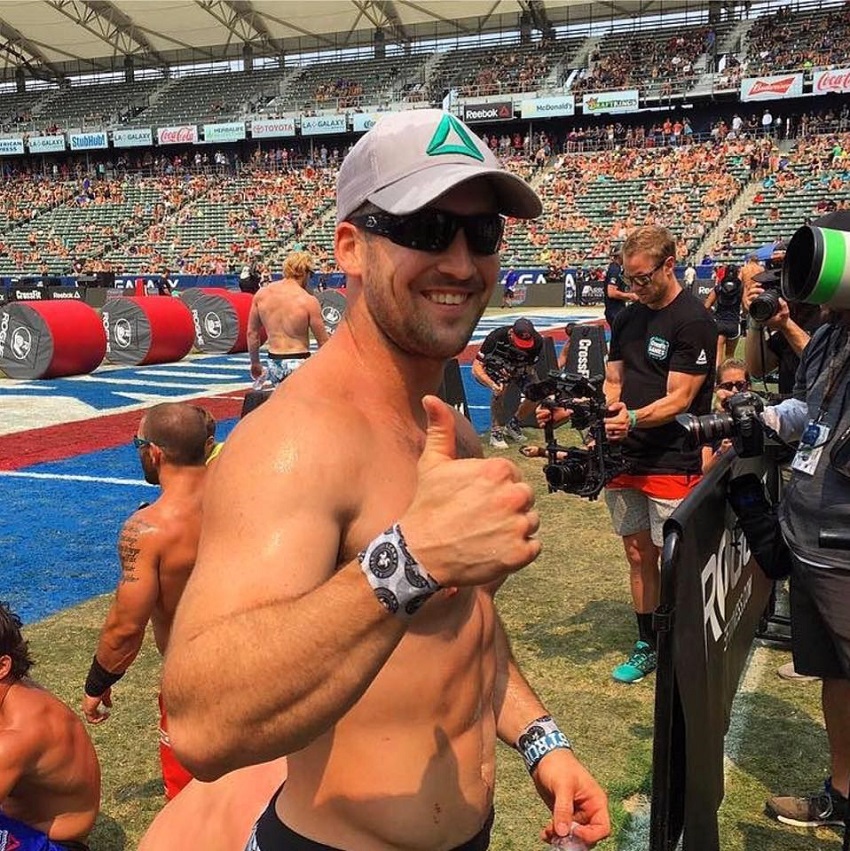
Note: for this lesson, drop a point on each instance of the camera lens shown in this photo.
(567, 474)
(705, 429)
(764, 306)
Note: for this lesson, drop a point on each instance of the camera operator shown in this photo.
(660, 364)
(725, 298)
(814, 515)
(617, 295)
(507, 356)
(777, 342)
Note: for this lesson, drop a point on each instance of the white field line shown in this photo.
(68, 477)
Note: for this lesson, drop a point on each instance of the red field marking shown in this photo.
(57, 442)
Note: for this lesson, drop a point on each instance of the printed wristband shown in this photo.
(400, 583)
(99, 679)
(539, 738)
(632, 419)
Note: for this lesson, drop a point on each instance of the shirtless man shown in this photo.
(288, 313)
(157, 549)
(49, 774)
(342, 610)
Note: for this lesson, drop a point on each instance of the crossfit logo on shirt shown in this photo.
(658, 348)
(702, 359)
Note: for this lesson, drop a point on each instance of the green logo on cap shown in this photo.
(461, 144)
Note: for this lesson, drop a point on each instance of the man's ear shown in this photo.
(349, 249)
(5, 666)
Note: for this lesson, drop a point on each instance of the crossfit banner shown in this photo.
(714, 595)
(587, 352)
(773, 87)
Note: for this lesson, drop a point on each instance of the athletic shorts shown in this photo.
(632, 511)
(820, 620)
(175, 778)
(281, 366)
(15, 834)
(271, 834)
(729, 328)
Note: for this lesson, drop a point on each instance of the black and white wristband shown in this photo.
(400, 583)
(539, 738)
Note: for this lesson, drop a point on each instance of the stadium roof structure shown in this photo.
(54, 39)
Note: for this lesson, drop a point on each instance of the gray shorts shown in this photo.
(820, 620)
(633, 511)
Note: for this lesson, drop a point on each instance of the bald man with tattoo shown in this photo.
(157, 548)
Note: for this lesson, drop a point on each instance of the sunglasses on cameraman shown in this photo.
(739, 386)
(435, 230)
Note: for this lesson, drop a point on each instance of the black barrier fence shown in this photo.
(713, 596)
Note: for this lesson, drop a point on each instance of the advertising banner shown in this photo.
(596, 103)
(548, 107)
(270, 127)
(314, 125)
(363, 121)
(88, 141)
(826, 82)
(773, 87)
(142, 136)
(502, 110)
(46, 144)
(183, 134)
(11, 146)
(232, 131)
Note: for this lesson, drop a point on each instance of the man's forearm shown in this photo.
(661, 411)
(118, 647)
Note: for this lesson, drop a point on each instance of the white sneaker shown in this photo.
(497, 441)
(515, 434)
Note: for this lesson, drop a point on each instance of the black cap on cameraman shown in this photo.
(522, 333)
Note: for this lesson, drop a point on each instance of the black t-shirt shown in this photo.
(498, 343)
(788, 359)
(681, 337)
(614, 278)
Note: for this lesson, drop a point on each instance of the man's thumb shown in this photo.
(440, 434)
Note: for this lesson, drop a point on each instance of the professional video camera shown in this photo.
(741, 424)
(582, 471)
(501, 367)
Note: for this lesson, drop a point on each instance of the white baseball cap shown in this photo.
(409, 159)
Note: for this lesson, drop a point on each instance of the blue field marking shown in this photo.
(59, 536)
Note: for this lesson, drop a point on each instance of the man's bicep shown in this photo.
(686, 385)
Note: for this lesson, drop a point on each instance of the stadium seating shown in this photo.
(97, 106)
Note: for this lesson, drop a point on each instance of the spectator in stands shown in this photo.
(50, 787)
(157, 549)
(287, 313)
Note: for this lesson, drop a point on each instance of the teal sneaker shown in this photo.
(643, 661)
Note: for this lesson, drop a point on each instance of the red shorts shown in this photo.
(174, 776)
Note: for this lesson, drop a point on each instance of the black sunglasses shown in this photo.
(139, 442)
(435, 230)
(733, 385)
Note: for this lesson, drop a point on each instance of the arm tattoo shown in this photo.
(129, 549)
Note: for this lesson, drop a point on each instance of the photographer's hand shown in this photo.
(546, 413)
(472, 520)
(751, 290)
(781, 318)
(617, 423)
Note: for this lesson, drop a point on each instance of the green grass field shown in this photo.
(570, 621)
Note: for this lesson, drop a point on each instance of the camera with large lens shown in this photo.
(742, 425)
(586, 470)
(766, 304)
(501, 367)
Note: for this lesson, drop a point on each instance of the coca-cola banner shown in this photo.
(185, 134)
(773, 87)
(825, 82)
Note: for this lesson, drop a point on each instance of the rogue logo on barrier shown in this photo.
(720, 576)
(123, 334)
(212, 324)
(4, 331)
(196, 321)
(21, 343)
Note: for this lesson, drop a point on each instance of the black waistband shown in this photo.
(290, 356)
(273, 835)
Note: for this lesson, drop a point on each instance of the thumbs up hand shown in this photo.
(472, 520)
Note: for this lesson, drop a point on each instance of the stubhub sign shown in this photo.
(88, 141)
